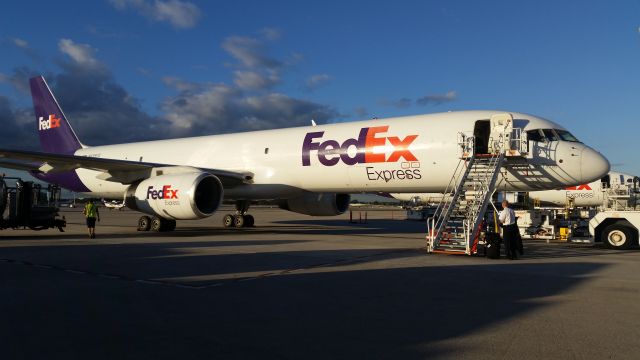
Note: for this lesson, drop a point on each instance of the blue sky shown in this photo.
(128, 70)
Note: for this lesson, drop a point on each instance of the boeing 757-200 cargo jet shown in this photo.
(309, 170)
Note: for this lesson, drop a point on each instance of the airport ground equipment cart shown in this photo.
(24, 204)
(617, 225)
(616, 229)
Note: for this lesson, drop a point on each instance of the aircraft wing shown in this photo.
(17, 165)
(122, 171)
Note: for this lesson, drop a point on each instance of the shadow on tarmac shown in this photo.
(93, 300)
(313, 227)
(389, 313)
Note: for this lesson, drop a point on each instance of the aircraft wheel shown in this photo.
(227, 220)
(249, 221)
(617, 236)
(239, 221)
(144, 223)
(157, 224)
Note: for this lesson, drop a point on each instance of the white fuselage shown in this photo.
(585, 195)
(407, 154)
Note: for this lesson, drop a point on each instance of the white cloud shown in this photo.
(315, 81)
(178, 83)
(399, 103)
(251, 80)
(82, 54)
(361, 111)
(437, 99)
(180, 14)
(23, 44)
(248, 103)
(271, 34)
(250, 52)
(177, 13)
(221, 108)
(144, 71)
(19, 78)
(257, 70)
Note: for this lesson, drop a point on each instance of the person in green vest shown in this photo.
(92, 213)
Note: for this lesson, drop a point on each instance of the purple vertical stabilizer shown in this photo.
(56, 135)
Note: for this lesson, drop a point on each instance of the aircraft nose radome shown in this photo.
(593, 165)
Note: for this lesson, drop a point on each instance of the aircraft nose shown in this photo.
(593, 165)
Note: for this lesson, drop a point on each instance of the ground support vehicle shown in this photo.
(24, 204)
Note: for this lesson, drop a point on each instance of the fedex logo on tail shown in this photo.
(51, 123)
(331, 152)
(165, 193)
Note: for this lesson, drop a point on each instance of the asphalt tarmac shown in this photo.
(297, 287)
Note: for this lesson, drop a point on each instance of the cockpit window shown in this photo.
(550, 135)
(566, 136)
(544, 135)
(535, 135)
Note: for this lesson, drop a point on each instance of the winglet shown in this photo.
(56, 134)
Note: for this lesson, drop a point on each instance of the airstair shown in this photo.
(457, 222)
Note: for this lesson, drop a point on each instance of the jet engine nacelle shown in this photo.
(318, 204)
(180, 196)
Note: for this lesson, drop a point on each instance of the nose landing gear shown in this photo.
(240, 218)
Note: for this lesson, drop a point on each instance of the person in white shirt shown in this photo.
(509, 230)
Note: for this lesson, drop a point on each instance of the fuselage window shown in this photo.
(550, 135)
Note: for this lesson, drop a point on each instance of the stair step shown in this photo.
(445, 247)
(458, 241)
(450, 252)
(454, 248)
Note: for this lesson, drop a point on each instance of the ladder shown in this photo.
(456, 224)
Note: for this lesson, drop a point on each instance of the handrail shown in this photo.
(478, 191)
(435, 225)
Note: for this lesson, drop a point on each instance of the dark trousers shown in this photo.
(510, 235)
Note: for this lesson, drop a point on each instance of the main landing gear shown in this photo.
(240, 218)
(155, 223)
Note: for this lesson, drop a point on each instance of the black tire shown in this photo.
(227, 220)
(249, 221)
(144, 223)
(238, 221)
(170, 225)
(617, 236)
(157, 224)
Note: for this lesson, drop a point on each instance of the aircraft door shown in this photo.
(481, 132)
(501, 130)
